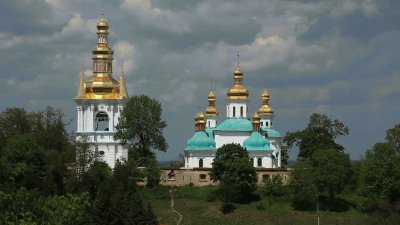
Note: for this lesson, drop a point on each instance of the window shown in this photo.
(102, 121)
(252, 161)
(101, 152)
(234, 111)
(262, 124)
(201, 163)
(259, 162)
(203, 177)
(171, 175)
(266, 123)
(241, 111)
(265, 177)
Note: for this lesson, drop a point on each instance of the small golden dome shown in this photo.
(211, 109)
(265, 108)
(238, 91)
(211, 96)
(256, 118)
(102, 24)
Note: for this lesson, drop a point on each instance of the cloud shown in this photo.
(124, 55)
(154, 16)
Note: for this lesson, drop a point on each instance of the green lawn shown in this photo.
(192, 203)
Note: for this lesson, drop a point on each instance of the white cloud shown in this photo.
(124, 55)
(154, 16)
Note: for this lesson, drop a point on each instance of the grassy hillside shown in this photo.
(198, 208)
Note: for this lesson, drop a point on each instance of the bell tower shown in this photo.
(100, 100)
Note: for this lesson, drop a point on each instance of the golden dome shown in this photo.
(256, 118)
(102, 84)
(199, 121)
(102, 24)
(238, 91)
(211, 96)
(211, 109)
(265, 108)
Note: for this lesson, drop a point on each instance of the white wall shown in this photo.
(103, 140)
(228, 137)
(233, 110)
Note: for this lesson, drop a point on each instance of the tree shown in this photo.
(302, 186)
(380, 173)
(321, 180)
(320, 134)
(23, 162)
(117, 200)
(141, 126)
(237, 177)
(331, 169)
(273, 186)
(13, 121)
(393, 137)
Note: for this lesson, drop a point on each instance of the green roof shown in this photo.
(256, 142)
(200, 141)
(235, 124)
(271, 132)
(210, 132)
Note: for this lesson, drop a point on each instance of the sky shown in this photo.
(340, 58)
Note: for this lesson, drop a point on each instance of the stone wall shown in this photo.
(171, 176)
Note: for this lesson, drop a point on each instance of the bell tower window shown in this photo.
(102, 123)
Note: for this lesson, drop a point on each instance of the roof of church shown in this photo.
(200, 141)
(271, 132)
(256, 142)
(235, 124)
(210, 132)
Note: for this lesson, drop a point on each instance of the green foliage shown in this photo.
(380, 173)
(331, 168)
(43, 180)
(118, 202)
(69, 209)
(141, 126)
(284, 155)
(236, 175)
(320, 181)
(273, 186)
(22, 162)
(393, 137)
(152, 172)
(92, 178)
(302, 185)
(320, 134)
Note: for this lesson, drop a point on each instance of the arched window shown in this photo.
(102, 121)
(241, 111)
(266, 123)
(201, 163)
(234, 111)
(252, 161)
(259, 162)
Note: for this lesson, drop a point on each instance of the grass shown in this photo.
(192, 203)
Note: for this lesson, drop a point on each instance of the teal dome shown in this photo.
(200, 141)
(272, 133)
(256, 142)
(235, 124)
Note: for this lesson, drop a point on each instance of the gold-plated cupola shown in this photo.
(102, 84)
(238, 91)
(211, 108)
(265, 108)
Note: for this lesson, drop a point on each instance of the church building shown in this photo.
(257, 135)
(100, 100)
